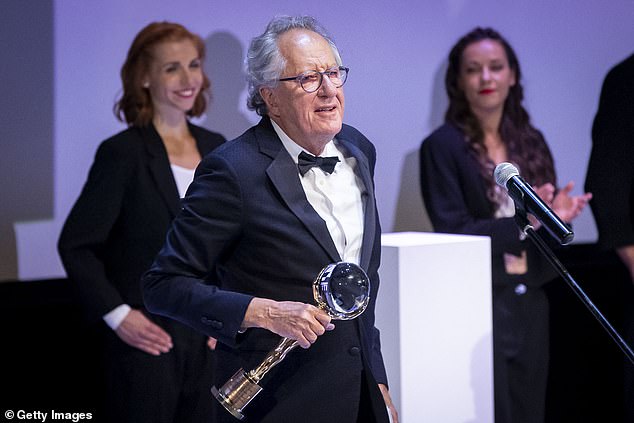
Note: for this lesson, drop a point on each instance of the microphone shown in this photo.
(507, 176)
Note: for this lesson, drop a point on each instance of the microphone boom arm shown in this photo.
(522, 220)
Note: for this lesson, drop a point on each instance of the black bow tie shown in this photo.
(306, 161)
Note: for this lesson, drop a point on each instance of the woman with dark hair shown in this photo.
(157, 370)
(486, 124)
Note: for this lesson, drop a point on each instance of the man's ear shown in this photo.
(271, 100)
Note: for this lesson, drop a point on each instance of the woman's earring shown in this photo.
(146, 84)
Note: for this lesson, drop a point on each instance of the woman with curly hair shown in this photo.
(486, 124)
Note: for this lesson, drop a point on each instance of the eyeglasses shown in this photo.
(311, 80)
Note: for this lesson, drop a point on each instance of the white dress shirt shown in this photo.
(336, 197)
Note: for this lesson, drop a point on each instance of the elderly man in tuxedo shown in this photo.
(265, 213)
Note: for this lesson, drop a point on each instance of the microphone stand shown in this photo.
(522, 221)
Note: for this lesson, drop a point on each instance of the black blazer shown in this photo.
(455, 197)
(247, 230)
(120, 219)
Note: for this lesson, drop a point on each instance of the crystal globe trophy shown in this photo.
(342, 290)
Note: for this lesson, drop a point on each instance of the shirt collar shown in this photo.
(294, 149)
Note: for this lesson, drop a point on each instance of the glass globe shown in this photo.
(342, 290)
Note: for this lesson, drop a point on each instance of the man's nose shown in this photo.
(328, 88)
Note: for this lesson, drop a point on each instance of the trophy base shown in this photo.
(236, 393)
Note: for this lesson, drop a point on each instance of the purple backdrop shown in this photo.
(395, 96)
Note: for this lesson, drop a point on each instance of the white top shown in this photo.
(183, 177)
(514, 265)
(336, 197)
(506, 206)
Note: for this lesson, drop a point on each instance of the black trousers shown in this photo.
(372, 408)
(520, 355)
(171, 388)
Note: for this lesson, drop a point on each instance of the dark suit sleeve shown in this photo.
(182, 282)
(454, 196)
(376, 359)
(82, 243)
(610, 176)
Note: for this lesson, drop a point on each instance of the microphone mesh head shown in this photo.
(503, 172)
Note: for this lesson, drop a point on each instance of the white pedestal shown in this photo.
(434, 314)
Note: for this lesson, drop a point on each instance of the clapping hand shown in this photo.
(566, 206)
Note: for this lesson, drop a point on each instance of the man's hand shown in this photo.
(139, 332)
(388, 402)
(294, 320)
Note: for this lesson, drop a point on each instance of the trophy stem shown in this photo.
(272, 359)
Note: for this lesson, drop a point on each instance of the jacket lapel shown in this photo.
(369, 204)
(199, 136)
(283, 173)
(160, 170)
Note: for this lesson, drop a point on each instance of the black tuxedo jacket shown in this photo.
(119, 222)
(247, 229)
